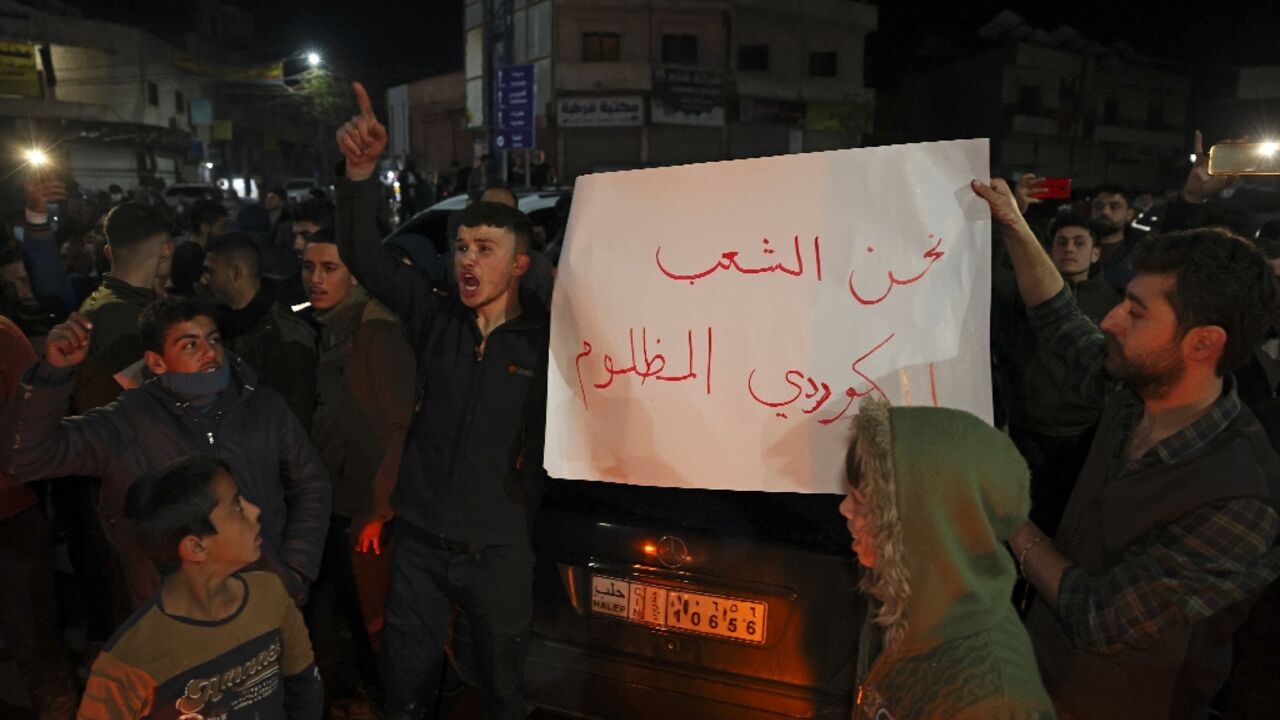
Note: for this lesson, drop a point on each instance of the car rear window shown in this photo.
(808, 521)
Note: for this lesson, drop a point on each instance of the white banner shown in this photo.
(714, 325)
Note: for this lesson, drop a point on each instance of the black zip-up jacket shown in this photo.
(147, 427)
(472, 464)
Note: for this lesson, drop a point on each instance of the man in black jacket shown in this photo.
(278, 344)
(471, 472)
(195, 398)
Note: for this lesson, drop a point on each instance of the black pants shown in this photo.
(334, 606)
(1055, 464)
(492, 585)
(29, 609)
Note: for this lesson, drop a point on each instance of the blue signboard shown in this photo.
(514, 139)
(514, 126)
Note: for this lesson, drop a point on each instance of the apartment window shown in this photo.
(1155, 116)
(179, 102)
(1029, 99)
(680, 49)
(822, 64)
(600, 47)
(1066, 91)
(753, 57)
(153, 94)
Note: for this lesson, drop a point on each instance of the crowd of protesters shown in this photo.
(213, 413)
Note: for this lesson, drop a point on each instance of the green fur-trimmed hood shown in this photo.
(944, 490)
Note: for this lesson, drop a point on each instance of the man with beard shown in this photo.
(1110, 212)
(1170, 531)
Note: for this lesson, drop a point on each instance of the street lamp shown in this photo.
(313, 59)
(36, 157)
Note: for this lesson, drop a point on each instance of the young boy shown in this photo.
(213, 643)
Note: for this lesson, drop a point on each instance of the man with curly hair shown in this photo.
(1170, 532)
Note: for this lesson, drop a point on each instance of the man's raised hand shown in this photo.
(1024, 191)
(68, 344)
(42, 190)
(362, 139)
(1200, 185)
(1004, 204)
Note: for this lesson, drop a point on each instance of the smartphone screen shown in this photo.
(1244, 159)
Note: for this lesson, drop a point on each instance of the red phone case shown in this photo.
(1052, 188)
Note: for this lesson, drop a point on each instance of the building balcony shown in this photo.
(603, 76)
(1034, 125)
(826, 90)
(1138, 136)
(57, 110)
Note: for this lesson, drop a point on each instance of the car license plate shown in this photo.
(695, 612)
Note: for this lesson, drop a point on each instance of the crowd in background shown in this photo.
(273, 276)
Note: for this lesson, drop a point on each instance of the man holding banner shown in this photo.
(471, 473)
(1170, 532)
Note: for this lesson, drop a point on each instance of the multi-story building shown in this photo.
(427, 120)
(633, 83)
(113, 104)
(109, 102)
(1055, 104)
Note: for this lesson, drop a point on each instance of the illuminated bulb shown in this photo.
(313, 59)
(1269, 148)
(36, 157)
(650, 549)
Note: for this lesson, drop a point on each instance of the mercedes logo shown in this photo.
(672, 551)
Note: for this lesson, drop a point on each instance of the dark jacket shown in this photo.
(281, 347)
(1109, 511)
(147, 427)
(115, 345)
(1044, 400)
(472, 465)
(364, 393)
(16, 355)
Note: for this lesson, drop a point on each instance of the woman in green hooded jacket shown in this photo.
(934, 493)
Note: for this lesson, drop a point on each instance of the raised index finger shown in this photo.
(362, 99)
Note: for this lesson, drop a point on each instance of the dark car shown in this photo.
(692, 604)
(433, 223)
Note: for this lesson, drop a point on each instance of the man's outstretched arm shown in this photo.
(403, 289)
(1038, 279)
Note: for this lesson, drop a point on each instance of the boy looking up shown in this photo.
(213, 642)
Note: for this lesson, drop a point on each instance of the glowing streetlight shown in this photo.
(36, 157)
(313, 59)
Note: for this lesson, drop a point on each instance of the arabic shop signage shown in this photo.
(18, 73)
(611, 111)
(688, 96)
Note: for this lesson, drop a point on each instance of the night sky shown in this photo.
(386, 42)
(401, 40)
